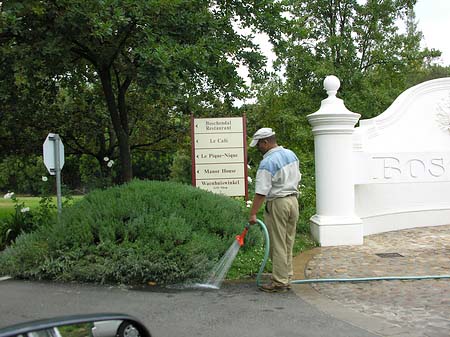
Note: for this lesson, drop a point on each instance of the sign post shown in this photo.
(219, 157)
(54, 161)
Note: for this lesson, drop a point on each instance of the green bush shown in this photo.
(24, 220)
(181, 169)
(307, 199)
(20, 221)
(144, 231)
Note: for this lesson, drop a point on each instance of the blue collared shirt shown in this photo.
(278, 174)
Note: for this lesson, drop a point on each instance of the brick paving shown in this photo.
(416, 308)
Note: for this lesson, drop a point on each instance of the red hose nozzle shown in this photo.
(240, 238)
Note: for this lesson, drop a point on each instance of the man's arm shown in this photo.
(258, 201)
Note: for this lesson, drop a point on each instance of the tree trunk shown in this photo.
(126, 170)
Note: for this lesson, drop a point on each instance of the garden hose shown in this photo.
(330, 280)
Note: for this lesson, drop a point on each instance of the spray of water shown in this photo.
(221, 269)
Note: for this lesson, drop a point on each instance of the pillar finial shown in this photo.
(331, 84)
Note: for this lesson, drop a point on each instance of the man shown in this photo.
(277, 182)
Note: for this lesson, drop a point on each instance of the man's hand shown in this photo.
(258, 200)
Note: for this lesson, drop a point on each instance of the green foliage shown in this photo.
(307, 189)
(144, 231)
(76, 330)
(23, 174)
(24, 257)
(21, 221)
(25, 220)
(152, 165)
(359, 43)
(181, 169)
(143, 59)
(117, 78)
(93, 175)
(248, 261)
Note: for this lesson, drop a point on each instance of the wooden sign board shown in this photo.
(219, 157)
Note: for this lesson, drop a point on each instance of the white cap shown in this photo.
(262, 133)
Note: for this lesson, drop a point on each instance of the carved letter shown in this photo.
(411, 173)
(388, 171)
(439, 163)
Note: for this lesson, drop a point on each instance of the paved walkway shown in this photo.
(388, 308)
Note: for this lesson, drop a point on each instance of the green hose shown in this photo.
(330, 280)
(266, 251)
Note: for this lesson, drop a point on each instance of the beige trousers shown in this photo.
(280, 217)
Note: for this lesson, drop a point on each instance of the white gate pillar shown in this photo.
(335, 222)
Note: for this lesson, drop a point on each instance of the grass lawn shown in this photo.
(7, 205)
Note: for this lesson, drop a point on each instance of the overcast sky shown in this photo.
(433, 18)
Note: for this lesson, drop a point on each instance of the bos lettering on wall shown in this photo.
(402, 161)
(402, 167)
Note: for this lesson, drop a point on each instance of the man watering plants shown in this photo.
(277, 182)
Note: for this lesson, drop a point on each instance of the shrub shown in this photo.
(21, 221)
(144, 231)
(25, 220)
(307, 199)
(181, 169)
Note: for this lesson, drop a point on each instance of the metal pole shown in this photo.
(58, 173)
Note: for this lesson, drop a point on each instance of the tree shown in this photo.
(362, 45)
(166, 50)
(359, 43)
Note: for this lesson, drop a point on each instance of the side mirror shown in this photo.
(93, 325)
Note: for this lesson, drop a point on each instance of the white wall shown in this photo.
(402, 161)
